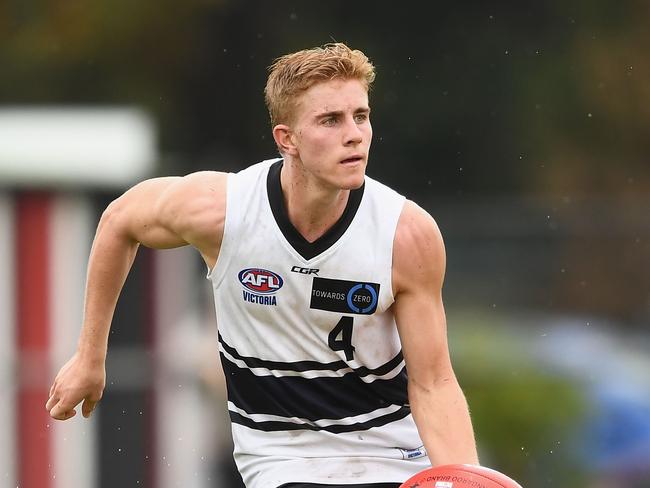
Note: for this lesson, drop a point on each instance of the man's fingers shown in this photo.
(67, 415)
(90, 402)
(62, 412)
(51, 402)
(88, 407)
(63, 409)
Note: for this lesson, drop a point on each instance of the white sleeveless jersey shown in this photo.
(312, 359)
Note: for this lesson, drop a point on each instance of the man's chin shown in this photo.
(354, 179)
(353, 182)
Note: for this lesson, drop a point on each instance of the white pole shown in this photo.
(8, 459)
(74, 450)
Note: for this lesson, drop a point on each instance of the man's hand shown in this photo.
(78, 380)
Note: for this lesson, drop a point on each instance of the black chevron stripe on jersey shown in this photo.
(274, 426)
(303, 366)
(311, 398)
(307, 249)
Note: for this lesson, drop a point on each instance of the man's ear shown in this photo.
(284, 139)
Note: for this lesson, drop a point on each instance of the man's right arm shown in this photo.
(160, 213)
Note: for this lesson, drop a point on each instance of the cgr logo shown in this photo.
(307, 271)
(260, 280)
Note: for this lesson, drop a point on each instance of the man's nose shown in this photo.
(353, 134)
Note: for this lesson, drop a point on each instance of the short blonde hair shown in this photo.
(294, 73)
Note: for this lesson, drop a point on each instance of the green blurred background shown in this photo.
(523, 127)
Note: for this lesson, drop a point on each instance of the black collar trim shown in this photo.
(307, 249)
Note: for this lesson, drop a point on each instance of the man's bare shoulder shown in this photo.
(418, 249)
(197, 190)
(195, 207)
(202, 182)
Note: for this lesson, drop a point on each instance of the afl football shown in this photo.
(460, 476)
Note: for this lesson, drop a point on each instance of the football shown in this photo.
(460, 476)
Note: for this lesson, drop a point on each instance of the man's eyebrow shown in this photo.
(337, 113)
(332, 113)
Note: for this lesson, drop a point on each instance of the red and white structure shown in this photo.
(57, 166)
(51, 161)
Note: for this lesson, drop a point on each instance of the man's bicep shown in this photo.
(422, 328)
(142, 214)
(193, 211)
(418, 273)
(169, 212)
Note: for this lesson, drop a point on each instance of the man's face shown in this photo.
(332, 133)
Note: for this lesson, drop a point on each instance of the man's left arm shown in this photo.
(437, 401)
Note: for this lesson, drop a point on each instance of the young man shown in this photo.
(327, 288)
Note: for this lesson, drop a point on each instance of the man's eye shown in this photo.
(329, 121)
(361, 118)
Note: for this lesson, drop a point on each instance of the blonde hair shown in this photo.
(294, 73)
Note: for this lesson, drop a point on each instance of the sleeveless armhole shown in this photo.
(388, 206)
(392, 247)
(217, 273)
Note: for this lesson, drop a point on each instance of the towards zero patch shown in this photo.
(344, 296)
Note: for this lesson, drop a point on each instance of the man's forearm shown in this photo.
(110, 260)
(442, 417)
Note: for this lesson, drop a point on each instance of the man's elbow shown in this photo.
(114, 220)
(428, 385)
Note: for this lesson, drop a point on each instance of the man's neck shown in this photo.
(312, 207)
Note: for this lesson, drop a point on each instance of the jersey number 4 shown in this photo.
(340, 338)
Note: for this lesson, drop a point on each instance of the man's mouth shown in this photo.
(353, 159)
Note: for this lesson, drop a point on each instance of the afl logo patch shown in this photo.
(260, 280)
